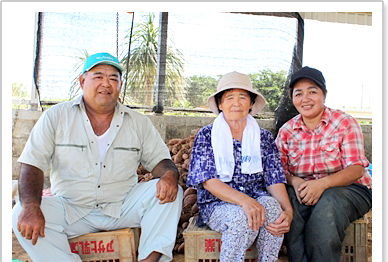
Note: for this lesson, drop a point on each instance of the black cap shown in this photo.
(309, 73)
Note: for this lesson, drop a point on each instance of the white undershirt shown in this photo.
(102, 144)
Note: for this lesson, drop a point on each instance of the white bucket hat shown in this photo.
(239, 81)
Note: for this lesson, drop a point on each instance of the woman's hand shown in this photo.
(282, 224)
(255, 213)
(252, 209)
(296, 182)
(310, 191)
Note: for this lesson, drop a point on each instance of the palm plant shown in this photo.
(143, 65)
(75, 88)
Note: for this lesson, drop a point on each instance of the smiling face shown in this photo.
(235, 104)
(101, 86)
(308, 98)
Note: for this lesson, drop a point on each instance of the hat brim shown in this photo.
(257, 106)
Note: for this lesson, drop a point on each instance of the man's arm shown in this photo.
(167, 187)
(31, 221)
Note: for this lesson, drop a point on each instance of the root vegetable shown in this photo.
(176, 247)
(184, 218)
(194, 209)
(181, 248)
(180, 150)
(174, 141)
(187, 162)
(190, 200)
(182, 183)
(189, 191)
(185, 166)
(174, 150)
(184, 225)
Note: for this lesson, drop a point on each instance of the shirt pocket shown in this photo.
(331, 152)
(295, 156)
(72, 161)
(125, 162)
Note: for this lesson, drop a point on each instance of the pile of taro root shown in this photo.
(180, 150)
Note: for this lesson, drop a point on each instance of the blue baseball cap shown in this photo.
(102, 58)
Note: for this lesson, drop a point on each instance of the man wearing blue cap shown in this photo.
(94, 146)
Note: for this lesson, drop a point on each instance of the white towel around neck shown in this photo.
(222, 143)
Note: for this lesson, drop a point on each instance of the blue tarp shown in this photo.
(370, 169)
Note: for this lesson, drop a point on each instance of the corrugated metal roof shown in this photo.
(358, 18)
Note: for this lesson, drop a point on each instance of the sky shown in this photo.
(340, 51)
(355, 63)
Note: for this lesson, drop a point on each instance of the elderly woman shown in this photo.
(323, 156)
(237, 171)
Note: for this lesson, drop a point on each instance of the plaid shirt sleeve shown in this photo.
(353, 144)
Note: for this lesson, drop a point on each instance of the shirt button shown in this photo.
(104, 166)
(97, 205)
(117, 125)
(96, 164)
(241, 188)
(99, 186)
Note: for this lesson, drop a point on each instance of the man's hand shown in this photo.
(31, 222)
(310, 191)
(255, 213)
(282, 224)
(167, 188)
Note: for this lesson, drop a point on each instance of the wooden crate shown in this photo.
(204, 245)
(111, 246)
(354, 246)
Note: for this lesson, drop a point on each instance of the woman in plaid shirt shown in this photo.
(322, 152)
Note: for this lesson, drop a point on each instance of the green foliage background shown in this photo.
(269, 84)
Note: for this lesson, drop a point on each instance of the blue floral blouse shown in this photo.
(203, 167)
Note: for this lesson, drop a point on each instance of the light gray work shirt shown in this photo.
(64, 138)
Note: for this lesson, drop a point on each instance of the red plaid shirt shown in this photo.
(335, 143)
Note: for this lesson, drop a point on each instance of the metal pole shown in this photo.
(35, 96)
(161, 68)
(129, 54)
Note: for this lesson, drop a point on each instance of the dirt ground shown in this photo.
(19, 253)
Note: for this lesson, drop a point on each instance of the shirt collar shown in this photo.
(326, 116)
(298, 122)
(118, 108)
(78, 101)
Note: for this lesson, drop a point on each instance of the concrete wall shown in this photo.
(169, 127)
